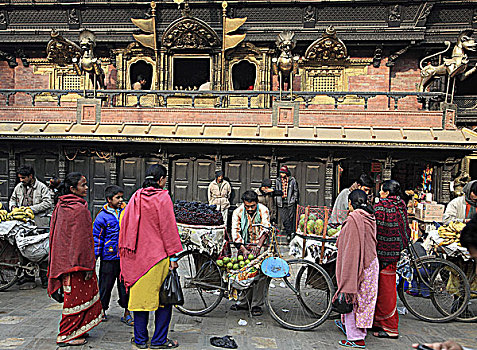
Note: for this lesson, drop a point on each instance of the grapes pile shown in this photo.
(196, 213)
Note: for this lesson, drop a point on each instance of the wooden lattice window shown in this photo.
(71, 82)
(325, 83)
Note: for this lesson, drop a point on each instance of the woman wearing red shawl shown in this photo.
(148, 241)
(393, 235)
(72, 262)
(357, 269)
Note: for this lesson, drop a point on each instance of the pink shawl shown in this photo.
(148, 233)
(356, 251)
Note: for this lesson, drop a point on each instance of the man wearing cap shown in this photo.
(266, 195)
(288, 200)
(219, 194)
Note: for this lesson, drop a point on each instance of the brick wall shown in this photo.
(230, 116)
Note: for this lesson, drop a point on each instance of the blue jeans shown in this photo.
(162, 318)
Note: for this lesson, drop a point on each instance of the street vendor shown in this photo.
(32, 193)
(464, 207)
(244, 235)
(219, 193)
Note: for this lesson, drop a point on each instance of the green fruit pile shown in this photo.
(313, 224)
(235, 263)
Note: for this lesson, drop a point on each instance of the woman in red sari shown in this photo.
(393, 233)
(72, 262)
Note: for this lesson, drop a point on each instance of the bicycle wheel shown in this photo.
(302, 300)
(10, 259)
(201, 282)
(430, 296)
(470, 312)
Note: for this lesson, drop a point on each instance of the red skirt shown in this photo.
(82, 308)
(386, 316)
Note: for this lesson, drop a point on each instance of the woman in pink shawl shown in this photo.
(357, 269)
(148, 242)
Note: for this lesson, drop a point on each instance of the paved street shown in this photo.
(29, 320)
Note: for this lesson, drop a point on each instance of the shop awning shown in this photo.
(244, 134)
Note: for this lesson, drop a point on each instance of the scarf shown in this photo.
(285, 186)
(356, 251)
(148, 233)
(246, 226)
(393, 231)
(71, 240)
(466, 191)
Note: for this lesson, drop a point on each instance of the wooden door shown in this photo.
(245, 175)
(4, 184)
(132, 172)
(190, 179)
(310, 177)
(97, 172)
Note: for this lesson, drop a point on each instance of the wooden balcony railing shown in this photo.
(221, 99)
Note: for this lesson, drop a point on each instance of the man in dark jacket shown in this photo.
(106, 237)
(288, 200)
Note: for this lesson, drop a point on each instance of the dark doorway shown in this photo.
(145, 70)
(244, 74)
(190, 73)
(473, 169)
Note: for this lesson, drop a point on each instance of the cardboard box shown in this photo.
(430, 211)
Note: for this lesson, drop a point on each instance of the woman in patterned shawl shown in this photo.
(393, 235)
(72, 262)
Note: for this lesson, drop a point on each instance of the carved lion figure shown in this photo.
(456, 66)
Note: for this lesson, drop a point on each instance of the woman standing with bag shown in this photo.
(148, 241)
(72, 262)
(393, 235)
(357, 270)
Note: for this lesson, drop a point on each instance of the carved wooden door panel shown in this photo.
(245, 175)
(190, 179)
(132, 172)
(46, 166)
(204, 173)
(98, 174)
(311, 181)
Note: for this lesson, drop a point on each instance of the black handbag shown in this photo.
(340, 305)
(58, 295)
(171, 291)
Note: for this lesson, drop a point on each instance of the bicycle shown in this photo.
(301, 300)
(432, 286)
(13, 265)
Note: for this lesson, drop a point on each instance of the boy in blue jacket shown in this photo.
(106, 236)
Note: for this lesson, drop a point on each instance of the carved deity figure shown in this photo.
(285, 64)
(456, 66)
(63, 51)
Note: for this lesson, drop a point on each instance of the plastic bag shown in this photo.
(341, 306)
(171, 291)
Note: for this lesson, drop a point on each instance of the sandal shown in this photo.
(341, 326)
(256, 311)
(139, 346)
(359, 344)
(384, 334)
(128, 320)
(169, 344)
(73, 342)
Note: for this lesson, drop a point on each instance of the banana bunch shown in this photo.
(451, 233)
(3, 213)
(23, 214)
